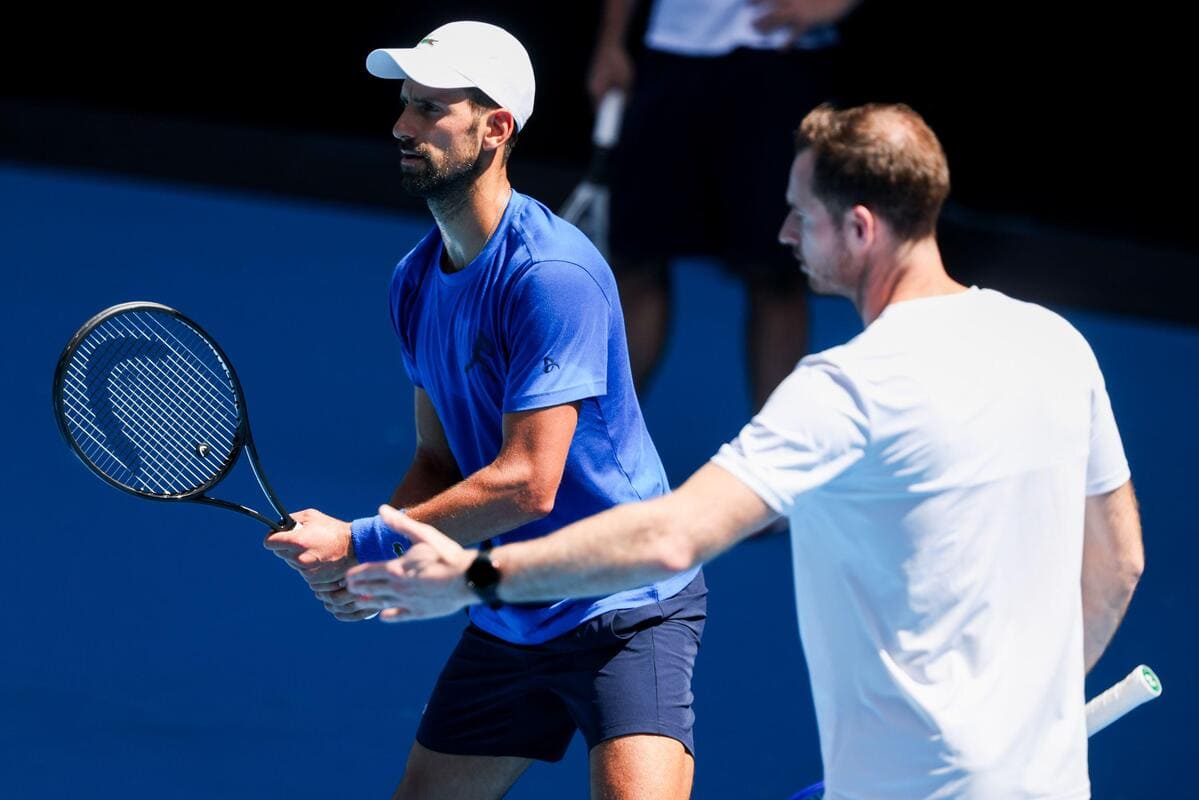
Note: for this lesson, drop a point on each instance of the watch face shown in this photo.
(483, 578)
(482, 574)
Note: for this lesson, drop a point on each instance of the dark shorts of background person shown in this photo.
(705, 148)
(621, 673)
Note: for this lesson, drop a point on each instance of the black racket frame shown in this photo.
(243, 439)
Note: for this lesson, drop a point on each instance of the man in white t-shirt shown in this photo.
(952, 476)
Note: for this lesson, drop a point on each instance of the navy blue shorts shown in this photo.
(624, 672)
(675, 192)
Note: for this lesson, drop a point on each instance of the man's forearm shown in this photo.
(629, 545)
(1113, 558)
(425, 478)
(1102, 610)
(492, 501)
(636, 543)
(614, 22)
(1106, 592)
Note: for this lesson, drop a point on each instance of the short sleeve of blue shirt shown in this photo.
(558, 332)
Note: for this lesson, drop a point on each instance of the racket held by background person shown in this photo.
(587, 206)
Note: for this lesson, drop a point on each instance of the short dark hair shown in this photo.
(882, 156)
(481, 102)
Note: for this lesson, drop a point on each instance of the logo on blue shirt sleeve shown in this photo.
(549, 365)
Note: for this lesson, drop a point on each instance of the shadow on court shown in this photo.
(152, 650)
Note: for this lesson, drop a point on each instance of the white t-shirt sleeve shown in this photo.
(1107, 467)
(812, 429)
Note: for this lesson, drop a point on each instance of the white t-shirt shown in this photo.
(934, 470)
(716, 27)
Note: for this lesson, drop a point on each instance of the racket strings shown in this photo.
(147, 434)
(151, 403)
(203, 409)
(141, 393)
(215, 412)
(119, 353)
(150, 423)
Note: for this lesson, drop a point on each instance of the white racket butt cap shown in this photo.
(1139, 686)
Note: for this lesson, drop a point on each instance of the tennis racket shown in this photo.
(151, 404)
(587, 206)
(1139, 686)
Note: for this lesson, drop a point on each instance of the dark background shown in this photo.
(1062, 121)
(1058, 109)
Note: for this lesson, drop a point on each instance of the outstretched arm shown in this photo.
(624, 547)
(518, 487)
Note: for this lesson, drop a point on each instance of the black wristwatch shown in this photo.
(483, 578)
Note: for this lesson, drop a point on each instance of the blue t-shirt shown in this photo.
(533, 321)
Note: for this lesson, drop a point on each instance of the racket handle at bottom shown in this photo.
(1140, 686)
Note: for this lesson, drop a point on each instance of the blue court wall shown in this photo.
(151, 649)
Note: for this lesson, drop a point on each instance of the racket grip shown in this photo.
(1140, 686)
(607, 119)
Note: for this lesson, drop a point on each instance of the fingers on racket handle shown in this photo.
(607, 119)
(1140, 686)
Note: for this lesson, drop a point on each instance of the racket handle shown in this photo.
(1140, 686)
(607, 119)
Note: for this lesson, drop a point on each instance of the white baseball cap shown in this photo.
(462, 54)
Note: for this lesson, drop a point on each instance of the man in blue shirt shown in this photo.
(512, 333)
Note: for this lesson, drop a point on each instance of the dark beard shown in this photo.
(446, 184)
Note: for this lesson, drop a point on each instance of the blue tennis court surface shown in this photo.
(150, 650)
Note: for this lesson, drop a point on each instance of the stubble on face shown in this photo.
(822, 252)
(445, 182)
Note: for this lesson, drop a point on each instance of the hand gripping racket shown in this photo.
(587, 206)
(1139, 686)
(151, 404)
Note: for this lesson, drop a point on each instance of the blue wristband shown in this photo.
(374, 541)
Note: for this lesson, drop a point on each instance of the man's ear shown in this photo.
(861, 227)
(500, 126)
